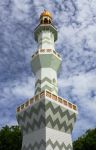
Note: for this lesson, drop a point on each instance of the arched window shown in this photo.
(45, 20)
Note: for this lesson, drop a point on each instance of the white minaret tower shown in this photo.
(46, 61)
(46, 120)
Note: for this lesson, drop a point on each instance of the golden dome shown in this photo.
(46, 13)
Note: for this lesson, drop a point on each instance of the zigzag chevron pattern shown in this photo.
(46, 114)
(48, 145)
(48, 85)
(39, 89)
(48, 122)
(47, 80)
(43, 80)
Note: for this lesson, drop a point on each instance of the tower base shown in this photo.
(46, 122)
(47, 139)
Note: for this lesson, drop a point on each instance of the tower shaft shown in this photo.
(46, 40)
(46, 120)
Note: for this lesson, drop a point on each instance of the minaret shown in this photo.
(46, 120)
(46, 61)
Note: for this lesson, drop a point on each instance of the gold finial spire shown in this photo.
(46, 13)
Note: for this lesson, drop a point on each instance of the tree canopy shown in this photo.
(11, 139)
(87, 141)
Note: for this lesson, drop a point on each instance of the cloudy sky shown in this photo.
(76, 24)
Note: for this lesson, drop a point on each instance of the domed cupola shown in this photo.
(45, 25)
(46, 17)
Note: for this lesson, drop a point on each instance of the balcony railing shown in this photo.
(45, 51)
(50, 95)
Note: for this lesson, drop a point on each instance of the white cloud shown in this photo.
(20, 8)
(82, 83)
(80, 127)
(21, 4)
(25, 89)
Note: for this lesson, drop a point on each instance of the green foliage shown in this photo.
(10, 138)
(87, 141)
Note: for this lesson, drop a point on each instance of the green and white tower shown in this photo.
(46, 120)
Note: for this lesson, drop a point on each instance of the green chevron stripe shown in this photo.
(56, 124)
(59, 109)
(34, 126)
(45, 107)
(38, 89)
(43, 80)
(51, 120)
(42, 122)
(45, 144)
(33, 110)
(45, 41)
(55, 89)
(43, 88)
(47, 38)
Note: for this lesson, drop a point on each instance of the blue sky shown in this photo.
(76, 24)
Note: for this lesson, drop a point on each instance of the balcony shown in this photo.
(49, 95)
